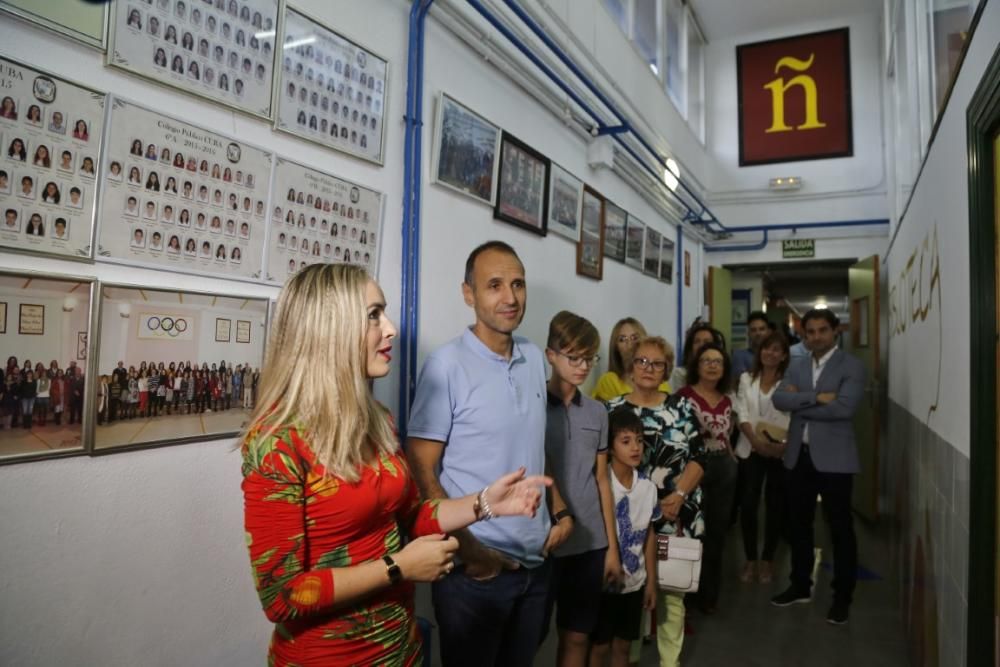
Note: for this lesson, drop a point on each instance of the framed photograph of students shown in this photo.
(31, 319)
(242, 331)
(223, 330)
(667, 261)
(651, 253)
(615, 219)
(565, 199)
(635, 234)
(589, 251)
(465, 151)
(522, 186)
(331, 90)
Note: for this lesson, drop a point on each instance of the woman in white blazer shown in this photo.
(759, 450)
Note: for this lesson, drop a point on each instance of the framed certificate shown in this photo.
(222, 51)
(31, 319)
(331, 90)
(242, 331)
(223, 330)
(181, 198)
(51, 131)
(319, 217)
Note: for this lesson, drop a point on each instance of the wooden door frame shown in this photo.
(983, 124)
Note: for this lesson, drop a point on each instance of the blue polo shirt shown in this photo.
(490, 413)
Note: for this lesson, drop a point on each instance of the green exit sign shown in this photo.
(798, 248)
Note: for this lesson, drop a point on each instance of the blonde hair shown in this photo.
(314, 374)
(658, 342)
(616, 363)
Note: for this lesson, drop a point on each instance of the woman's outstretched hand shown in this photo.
(516, 495)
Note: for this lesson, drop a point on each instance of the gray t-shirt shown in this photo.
(574, 436)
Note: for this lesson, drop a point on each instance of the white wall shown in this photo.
(59, 340)
(925, 356)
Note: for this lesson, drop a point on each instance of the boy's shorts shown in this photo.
(619, 618)
(576, 590)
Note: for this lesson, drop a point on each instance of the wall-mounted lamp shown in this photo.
(785, 183)
(124, 309)
(69, 303)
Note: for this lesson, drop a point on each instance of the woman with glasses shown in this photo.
(674, 459)
(624, 336)
(708, 374)
(698, 335)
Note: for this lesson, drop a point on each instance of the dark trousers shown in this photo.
(761, 473)
(718, 486)
(496, 622)
(804, 484)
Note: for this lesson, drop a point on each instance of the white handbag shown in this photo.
(678, 566)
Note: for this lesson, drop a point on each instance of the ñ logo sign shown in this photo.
(779, 87)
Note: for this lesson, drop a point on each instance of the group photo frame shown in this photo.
(522, 186)
(590, 248)
(84, 22)
(331, 89)
(466, 150)
(565, 202)
(181, 340)
(615, 219)
(635, 236)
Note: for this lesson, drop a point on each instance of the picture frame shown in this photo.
(635, 236)
(687, 268)
(223, 330)
(31, 319)
(522, 186)
(84, 22)
(651, 252)
(666, 261)
(82, 345)
(243, 331)
(615, 221)
(565, 202)
(3, 317)
(140, 37)
(34, 294)
(316, 84)
(462, 138)
(590, 249)
(172, 326)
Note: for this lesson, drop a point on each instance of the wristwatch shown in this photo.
(562, 514)
(392, 569)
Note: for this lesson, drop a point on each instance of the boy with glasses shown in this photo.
(576, 446)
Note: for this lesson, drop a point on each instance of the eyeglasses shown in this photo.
(710, 362)
(628, 339)
(577, 362)
(646, 364)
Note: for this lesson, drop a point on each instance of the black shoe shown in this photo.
(838, 614)
(791, 596)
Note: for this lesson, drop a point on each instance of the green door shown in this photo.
(720, 301)
(863, 342)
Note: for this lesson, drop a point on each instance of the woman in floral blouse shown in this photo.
(674, 459)
(328, 496)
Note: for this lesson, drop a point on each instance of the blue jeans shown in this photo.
(495, 622)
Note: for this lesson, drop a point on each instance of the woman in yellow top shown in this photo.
(624, 337)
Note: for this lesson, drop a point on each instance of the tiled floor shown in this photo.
(747, 631)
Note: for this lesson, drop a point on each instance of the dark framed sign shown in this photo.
(31, 319)
(794, 98)
(589, 251)
(522, 186)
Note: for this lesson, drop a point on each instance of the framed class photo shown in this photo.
(565, 200)
(651, 253)
(635, 234)
(330, 89)
(522, 187)
(85, 22)
(614, 231)
(465, 150)
(51, 132)
(222, 50)
(182, 198)
(589, 251)
(321, 218)
(667, 261)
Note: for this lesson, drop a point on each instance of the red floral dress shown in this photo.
(300, 524)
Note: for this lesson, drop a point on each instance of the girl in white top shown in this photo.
(759, 449)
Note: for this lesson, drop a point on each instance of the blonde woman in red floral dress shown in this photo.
(329, 499)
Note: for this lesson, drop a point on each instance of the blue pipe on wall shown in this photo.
(792, 226)
(736, 248)
(680, 295)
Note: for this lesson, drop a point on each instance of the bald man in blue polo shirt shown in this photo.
(479, 411)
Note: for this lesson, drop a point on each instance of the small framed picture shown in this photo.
(651, 253)
(3, 317)
(223, 330)
(242, 331)
(589, 251)
(522, 186)
(667, 261)
(635, 235)
(31, 320)
(565, 198)
(687, 269)
(614, 231)
(465, 151)
(81, 346)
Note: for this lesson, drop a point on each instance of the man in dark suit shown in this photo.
(822, 391)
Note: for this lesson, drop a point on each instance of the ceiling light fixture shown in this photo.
(785, 183)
